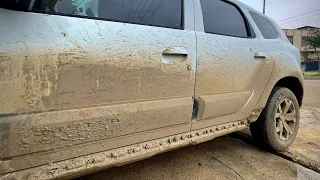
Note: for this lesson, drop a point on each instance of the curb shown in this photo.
(284, 154)
(299, 160)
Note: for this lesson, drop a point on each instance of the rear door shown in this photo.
(232, 70)
(96, 71)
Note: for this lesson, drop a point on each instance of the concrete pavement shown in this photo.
(306, 148)
(312, 93)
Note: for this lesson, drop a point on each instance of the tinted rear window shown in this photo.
(163, 13)
(223, 18)
(266, 28)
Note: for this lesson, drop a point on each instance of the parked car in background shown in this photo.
(91, 84)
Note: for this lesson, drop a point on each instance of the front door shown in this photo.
(96, 71)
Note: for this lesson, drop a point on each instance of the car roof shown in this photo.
(244, 6)
(250, 9)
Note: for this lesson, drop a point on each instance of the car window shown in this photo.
(290, 38)
(266, 28)
(16, 5)
(223, 18)
(163, 13)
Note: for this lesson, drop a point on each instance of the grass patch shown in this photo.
(315, 74)
(312, 76)
(313, 71)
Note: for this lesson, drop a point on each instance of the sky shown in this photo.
(290, 14)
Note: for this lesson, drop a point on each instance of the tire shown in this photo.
(274, 129)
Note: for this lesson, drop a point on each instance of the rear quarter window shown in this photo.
(266, 28)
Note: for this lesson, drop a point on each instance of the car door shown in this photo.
(98, 74)
(232, 70)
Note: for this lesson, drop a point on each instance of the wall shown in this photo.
(298, 35)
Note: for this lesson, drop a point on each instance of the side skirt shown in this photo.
(120, 156)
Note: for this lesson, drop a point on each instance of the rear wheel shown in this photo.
(278, 124)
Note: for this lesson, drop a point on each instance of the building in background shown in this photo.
(297, 36)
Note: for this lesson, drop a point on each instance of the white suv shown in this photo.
(89, 84)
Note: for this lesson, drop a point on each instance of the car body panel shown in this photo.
(89, 163)
(32, 133)
(227, 70)
(287, 59)
(68, 81)
(48, 59)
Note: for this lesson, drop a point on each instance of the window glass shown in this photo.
(266, 28)
(22, 5)
(164, 13)
(290, 38)
(223, 18)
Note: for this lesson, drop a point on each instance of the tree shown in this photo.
(313, 42)
(305, 55)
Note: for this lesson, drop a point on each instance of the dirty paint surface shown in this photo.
(50, 67)
(53, 130)
(94, 162)
(69, 82)
(226, 69)
(229, 66)
(57, 64)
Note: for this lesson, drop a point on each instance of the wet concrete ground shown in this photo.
(222, 158)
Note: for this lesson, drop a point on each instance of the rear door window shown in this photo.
(266, 28)
(223, 18)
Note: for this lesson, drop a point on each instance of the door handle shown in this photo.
(260, 55)
(175, 51)
(174, 54)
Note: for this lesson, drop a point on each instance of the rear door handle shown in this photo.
(174, 54)
(260, 55)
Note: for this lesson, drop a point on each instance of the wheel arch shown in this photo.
(294, 84)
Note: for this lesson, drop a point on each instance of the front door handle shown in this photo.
(175, 51)
(174, 54)
(260, 55)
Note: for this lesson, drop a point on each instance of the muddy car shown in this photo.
(90, 84)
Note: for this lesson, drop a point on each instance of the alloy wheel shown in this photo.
(285, 119)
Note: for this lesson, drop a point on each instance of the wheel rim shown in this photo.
(285, 119)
